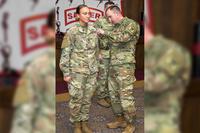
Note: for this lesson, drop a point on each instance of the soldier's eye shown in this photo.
(85, 13)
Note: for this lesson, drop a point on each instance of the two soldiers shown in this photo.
(79, 65)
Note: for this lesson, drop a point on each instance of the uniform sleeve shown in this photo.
(97, 24)
(65, 55)
(26, 103)
(129, 33)
(103, 40)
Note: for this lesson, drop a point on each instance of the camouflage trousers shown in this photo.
(162, 111)
(159, 122)
(120, 82)
(44, 122)
(81, 90)
(102, 89)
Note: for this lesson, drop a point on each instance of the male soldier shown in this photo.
(122, 68)
(167, 72)
(35, 97)
(102, 89)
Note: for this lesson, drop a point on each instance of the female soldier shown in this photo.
(79, 66)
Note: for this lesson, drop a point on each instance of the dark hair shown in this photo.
(114, 8)
(108, 3)
(51, 19)
(79, 8)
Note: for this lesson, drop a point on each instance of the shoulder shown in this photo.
(102, 18)
(129, 21)
(72, 29)
(39, 63)
(160, 42)
(101, 21)
(168, 53)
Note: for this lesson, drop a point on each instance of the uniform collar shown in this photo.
(85, 29)
(82, 29)
(117, 24)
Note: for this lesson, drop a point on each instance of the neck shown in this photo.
(120, 18)
(83, 24)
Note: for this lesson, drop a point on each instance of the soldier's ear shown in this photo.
(77, 17)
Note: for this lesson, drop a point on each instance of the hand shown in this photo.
(100, 57)
(100, 32)
(67, 78)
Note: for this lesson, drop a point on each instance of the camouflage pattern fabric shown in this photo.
(122, 68)
(167, 72)
(81, 89)
(123, 39)
(79, 61)
(79, 51)
(121, 81)
(102, 89)
(34, 100)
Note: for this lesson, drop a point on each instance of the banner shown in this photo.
(66, 11)
(23, 26)
(148, 14)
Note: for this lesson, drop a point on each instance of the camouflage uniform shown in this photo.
(122, 67)
(79, 61)
(167, 72)
(102, 89)
(35, 97)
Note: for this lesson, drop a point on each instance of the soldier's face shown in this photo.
(112, 16)
(84, 16)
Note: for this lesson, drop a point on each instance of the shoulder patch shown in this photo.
(65, 41)
(21, 94)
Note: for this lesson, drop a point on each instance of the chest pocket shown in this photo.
(85, 41)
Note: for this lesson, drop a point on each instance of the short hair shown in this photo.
(51, 19)
(108, 3)
(113, 8)
(79, 8)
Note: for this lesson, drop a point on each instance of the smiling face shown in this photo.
(84, 15)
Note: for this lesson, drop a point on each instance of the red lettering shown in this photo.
(69, 15)
(92, 14)
(75, 15)
(32, 32)
(97, 15)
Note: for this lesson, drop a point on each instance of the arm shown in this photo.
(103, 41)
(65, 56)
(129, 33)
(26, 103)
(97, 24)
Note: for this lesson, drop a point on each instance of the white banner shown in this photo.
(23, 25)
(66, 11)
